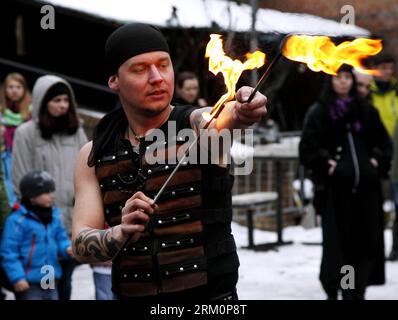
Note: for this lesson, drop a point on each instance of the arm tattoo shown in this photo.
(94, 244)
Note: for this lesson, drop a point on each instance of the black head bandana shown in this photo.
(131, 40)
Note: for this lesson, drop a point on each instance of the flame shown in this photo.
(207, 116)
(230, 69)
(321, 54)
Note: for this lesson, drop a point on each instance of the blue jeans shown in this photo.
(35, 292)
(6, 167)
(103, 285)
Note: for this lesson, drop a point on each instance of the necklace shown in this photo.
(136, 136)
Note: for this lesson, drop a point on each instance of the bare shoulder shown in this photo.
(84, 174)
(86, 149)
(84, 153)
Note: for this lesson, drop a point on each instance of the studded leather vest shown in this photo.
(188, 241)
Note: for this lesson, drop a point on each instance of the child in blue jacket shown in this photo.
(33, 239)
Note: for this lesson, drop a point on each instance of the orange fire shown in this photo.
(231, 69)
(321, 54)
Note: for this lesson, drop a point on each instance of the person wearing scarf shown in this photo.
(347, 151)
(51, 141)
(34, 236)
(14, 110)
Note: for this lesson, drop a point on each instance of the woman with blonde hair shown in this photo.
(15, 100)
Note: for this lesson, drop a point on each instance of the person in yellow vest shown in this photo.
(384, 95)
(384, 92)
(393, 256)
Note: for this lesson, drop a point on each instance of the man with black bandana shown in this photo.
(182, 247)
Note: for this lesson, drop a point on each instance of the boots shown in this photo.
(393, 256)
(331, 294)
(394, 251)
(354, 294)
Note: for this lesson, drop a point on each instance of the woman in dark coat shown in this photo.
(345, 146)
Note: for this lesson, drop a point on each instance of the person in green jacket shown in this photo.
(384, 95)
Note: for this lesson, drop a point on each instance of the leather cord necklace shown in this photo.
(136, 136)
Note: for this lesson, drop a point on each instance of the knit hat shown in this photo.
(55, 90)
(35, 183)
(131, 40)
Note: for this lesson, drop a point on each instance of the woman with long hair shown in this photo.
(15, 100)
(346, 147)
(51, 142)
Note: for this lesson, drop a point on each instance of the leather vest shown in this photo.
(188, 241)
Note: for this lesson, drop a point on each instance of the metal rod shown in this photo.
(181, 161)
(264, 77)
(175, 169)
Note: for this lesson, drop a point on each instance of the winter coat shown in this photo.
(56, 155)
(27, 245)
(4, 205)
(394, 166)
(386, 102)
(350, 200)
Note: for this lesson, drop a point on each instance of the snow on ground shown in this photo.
(289, 272)
(292, 271)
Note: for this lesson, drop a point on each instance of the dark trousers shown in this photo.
(393, 191)
(65, 282)
(395, 233)
(35, 292)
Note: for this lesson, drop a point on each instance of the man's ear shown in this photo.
(113, 83)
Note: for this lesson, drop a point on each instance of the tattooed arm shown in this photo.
(91, 243)
(100, 245)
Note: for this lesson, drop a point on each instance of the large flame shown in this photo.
(321, 54)
(230, 69)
